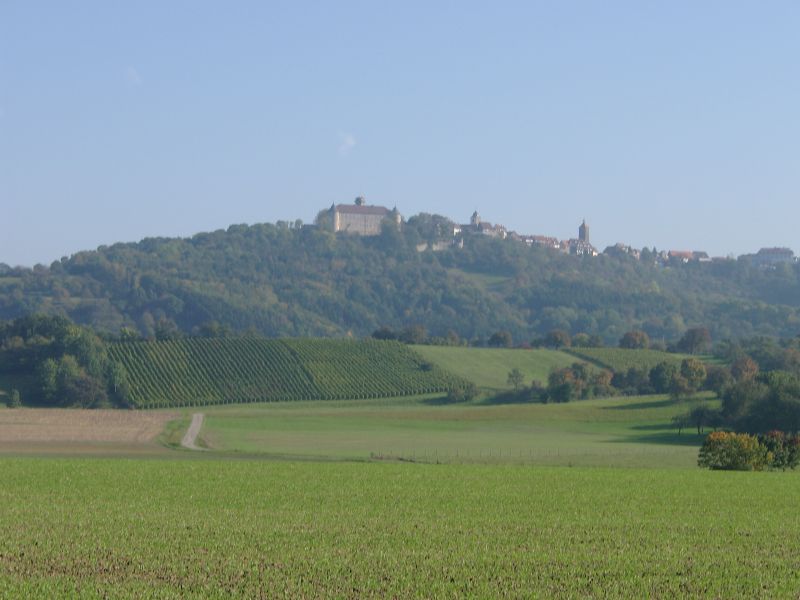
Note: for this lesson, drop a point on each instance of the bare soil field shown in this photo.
(34, 430)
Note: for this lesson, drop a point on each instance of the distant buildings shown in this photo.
(582, 246)
(577, 247)
(769, 258)
(476, 225)
(541, 241)
(361, 219)
(687, 256)
(620, 249)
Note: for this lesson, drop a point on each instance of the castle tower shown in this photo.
(583, 232)
(475, 219)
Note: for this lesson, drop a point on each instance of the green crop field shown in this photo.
(631, 431)
(622, 359)
(260, 529)
(488, 367)
(196, 371)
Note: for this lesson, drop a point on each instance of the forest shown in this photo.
(288, 280)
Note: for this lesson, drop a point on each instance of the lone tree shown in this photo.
(744, 369)
(703, 416)
(465, 393)
(718, 379)
(679, 387)
(695, 373)
(635, 339)
(414, 334)
(384, 333)
(680, 421)
(557, 338)
(661, 376)
(695, 340)
(501, 339)
(515, 378)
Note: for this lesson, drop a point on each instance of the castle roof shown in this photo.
(355, 209)
(776, 251)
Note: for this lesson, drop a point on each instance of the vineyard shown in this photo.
(622, 359)
(199, 371)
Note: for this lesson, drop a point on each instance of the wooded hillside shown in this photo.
(287, 281)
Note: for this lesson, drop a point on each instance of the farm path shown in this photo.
(190, 437)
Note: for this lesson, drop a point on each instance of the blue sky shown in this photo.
(667, 124)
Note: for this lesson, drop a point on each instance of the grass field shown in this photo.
(254, 529)
(488, 367)
(625, 432)
(622, 359)
(634, 431)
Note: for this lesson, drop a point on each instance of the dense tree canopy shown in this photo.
(66, 365)
(289, 280)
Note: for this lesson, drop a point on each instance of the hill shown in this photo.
(197, 371)
(282, 281)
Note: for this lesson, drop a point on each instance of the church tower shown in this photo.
(583, 232)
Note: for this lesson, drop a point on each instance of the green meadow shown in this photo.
(634, 431)
(488, 367)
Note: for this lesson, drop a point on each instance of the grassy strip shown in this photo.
(622, 359)
(174, 431)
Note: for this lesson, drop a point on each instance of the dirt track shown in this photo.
(190, 437)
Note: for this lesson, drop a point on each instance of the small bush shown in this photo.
(464, 393)
(743, 452)
(727, 451)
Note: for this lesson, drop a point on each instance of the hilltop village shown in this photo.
(360, 218)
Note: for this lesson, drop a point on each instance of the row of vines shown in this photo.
(200, 371)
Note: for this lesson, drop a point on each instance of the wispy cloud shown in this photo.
(347, 142)
(133, 78)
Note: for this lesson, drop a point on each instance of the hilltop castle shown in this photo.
(361, 219)
(368, 220)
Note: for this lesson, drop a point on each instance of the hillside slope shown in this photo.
(291, 282)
